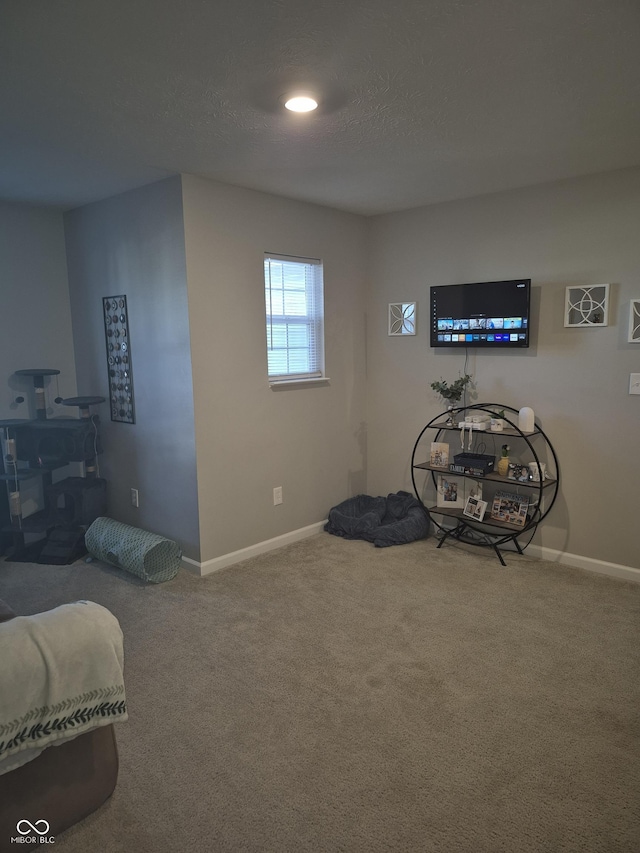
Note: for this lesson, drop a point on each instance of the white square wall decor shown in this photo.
(402, 318)
(634, 321)
(587, 306)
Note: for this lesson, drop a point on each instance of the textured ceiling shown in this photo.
(421, 100)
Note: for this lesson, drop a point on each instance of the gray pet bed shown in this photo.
(395, 520)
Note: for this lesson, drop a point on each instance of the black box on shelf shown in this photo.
(475, 464)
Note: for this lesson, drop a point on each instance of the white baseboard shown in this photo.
(225, 560)
(615, 570)
(539, 552)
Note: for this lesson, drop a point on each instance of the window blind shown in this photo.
(295, 317)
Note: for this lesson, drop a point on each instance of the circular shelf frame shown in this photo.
(489, 533)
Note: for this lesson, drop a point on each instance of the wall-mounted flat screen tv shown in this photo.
(481, 314)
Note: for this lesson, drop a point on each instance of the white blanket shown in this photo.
(61, 674)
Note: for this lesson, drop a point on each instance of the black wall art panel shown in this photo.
(118, 340)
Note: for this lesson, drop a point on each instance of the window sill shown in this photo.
(284, 384)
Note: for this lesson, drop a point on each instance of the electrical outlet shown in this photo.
(277, 496)
(634, 383)
(134, 497)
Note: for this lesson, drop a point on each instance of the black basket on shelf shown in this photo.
(474, 464)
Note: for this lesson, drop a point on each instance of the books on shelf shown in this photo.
(510, 508)
(439, 457)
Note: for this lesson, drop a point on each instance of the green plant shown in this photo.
(452, 392)
(505, 450)
(500, 413)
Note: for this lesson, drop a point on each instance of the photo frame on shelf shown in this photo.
(451, 491)
(518, 472)
(586, 306)
(510, 508)
(475, 508)
(402, 318)
(439, 456)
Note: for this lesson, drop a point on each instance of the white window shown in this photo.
(295, 318)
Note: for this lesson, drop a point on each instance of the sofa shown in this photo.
(74, 771)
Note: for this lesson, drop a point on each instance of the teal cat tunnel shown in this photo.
(146, 555)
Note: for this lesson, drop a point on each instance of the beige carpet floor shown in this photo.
(330, 696)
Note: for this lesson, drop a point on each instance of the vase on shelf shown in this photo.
(503, 466)
(526, 419)
(451, 394)
(452, 409)
(503, 463)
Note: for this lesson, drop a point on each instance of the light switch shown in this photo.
(634, 383)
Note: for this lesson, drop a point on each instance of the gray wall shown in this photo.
(250, 438)
(324, 443)
(574, 232)
(36, 316)
(133, 244)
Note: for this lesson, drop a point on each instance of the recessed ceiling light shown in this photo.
(301, 104)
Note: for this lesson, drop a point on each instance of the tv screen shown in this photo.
(482, 314)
